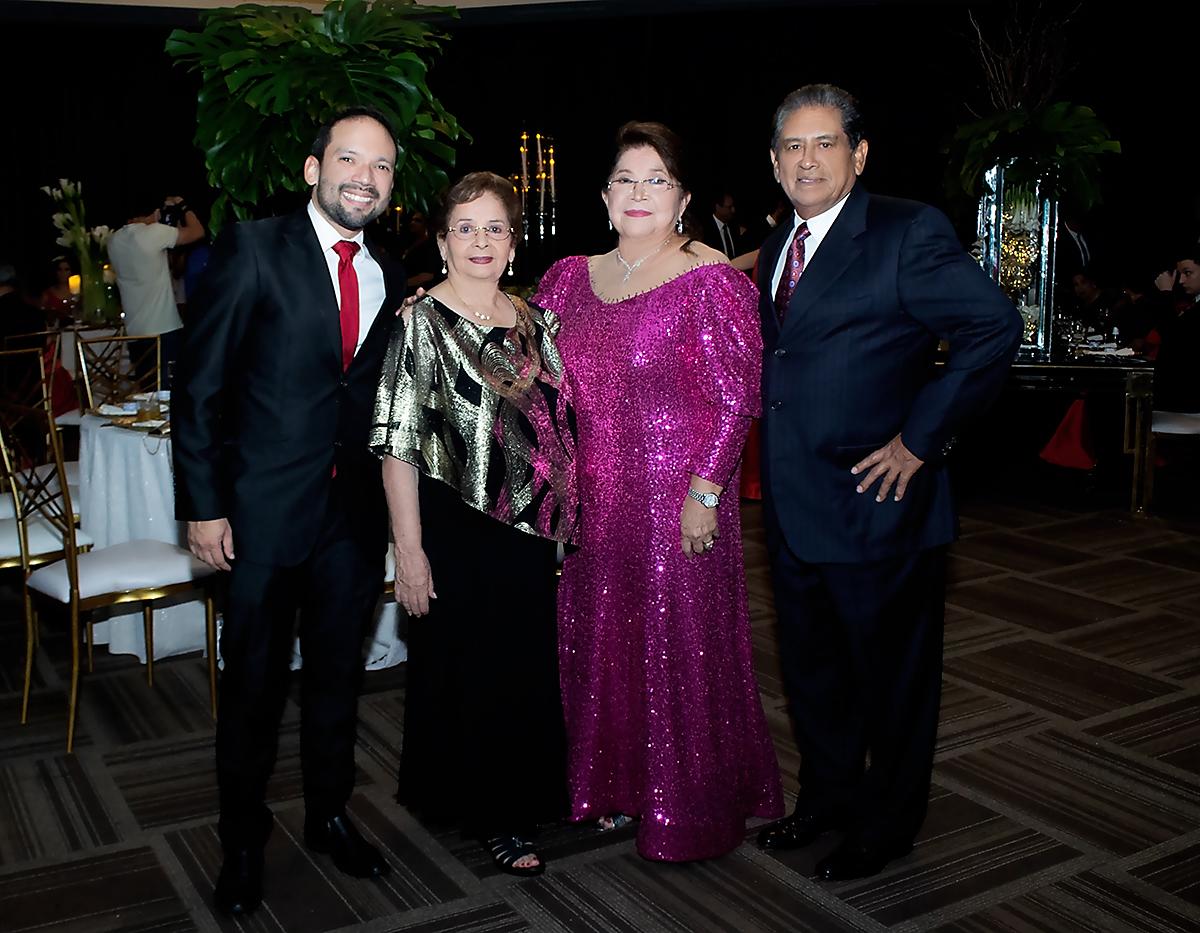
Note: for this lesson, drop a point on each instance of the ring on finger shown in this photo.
(708, 544)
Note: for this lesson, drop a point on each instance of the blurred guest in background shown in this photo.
(1177, 367)
(420, 256)
(17, 314)
(139, 255)
(57, 300)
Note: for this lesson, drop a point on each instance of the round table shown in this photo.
(127, 493)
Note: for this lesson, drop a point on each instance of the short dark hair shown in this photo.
(476, 185)
(1190, 253)
(321, 142)
(662, 139)
(822, 95)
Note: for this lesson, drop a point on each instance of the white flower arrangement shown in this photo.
(70, 222)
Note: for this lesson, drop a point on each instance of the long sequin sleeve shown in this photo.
(557, 285)
(728, 353)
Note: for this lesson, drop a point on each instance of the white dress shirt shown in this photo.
(818, 226)
(371, 290)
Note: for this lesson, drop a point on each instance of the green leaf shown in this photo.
(270, 74)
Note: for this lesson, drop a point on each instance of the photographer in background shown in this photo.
(138, 252)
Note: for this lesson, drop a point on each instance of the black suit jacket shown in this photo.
(853, 366)
(262, 411)
(712, 236)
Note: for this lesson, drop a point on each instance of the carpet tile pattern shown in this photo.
(1066, 784)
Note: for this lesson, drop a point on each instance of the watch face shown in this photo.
(710, 500)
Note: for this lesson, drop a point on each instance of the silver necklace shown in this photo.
(478, 314)
(630, 268)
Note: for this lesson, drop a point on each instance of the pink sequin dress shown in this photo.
(664, 720)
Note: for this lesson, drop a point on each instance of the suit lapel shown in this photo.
(313, 285)
(838, 250)
(394, 286)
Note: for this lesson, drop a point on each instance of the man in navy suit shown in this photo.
(855, 294)
(272, 407)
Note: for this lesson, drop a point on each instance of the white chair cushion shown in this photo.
(43, 537)
(69, 418)
(134, 565)
(1176, 422)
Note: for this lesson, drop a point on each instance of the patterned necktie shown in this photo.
(348, 286)
(791, 272)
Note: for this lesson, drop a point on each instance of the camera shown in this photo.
(172, 214)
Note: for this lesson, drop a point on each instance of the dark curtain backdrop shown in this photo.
(90, 95)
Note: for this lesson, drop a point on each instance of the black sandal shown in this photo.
(508, 850)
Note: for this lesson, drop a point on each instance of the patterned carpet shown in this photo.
(1066, 797)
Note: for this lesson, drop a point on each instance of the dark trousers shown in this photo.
(335, 591)
(861, 651)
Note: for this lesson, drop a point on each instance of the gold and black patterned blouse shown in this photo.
(485, 410)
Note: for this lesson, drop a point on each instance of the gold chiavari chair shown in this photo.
(82, 580)
(32, 477)
(114, 369)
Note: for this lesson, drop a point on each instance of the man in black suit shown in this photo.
(855, 293)
(270, 420)
(720, 228)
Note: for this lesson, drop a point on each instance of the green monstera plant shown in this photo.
(271, 74)
(1059, 145)
(1041, 143)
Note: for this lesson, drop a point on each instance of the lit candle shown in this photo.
(73, 284)
(552, 198)
(541, 164)
(542, 193)
(524, 163)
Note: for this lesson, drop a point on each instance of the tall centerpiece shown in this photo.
(1019, 161)
(94, 294)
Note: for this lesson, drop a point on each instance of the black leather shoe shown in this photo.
(854, 859)
(239, 886)
(794, 832)
(352, 854)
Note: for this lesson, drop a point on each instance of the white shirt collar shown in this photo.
(819, 225)
(326, 234)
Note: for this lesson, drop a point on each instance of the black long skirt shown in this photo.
(484, 741)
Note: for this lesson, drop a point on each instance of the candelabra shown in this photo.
(536, 186)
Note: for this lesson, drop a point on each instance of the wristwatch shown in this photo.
(710, 500)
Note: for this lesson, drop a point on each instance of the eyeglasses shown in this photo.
(626, 185)
(492, 231)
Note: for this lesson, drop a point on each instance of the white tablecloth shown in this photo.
(127, 493)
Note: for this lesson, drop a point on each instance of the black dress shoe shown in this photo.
(794, 832)
(854, 859)
(239, 886)
(352, 854)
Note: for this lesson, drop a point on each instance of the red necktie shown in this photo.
(791, 272)
(348, 286)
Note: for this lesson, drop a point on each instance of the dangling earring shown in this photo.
(679, 224)
(444, 269)
(510, 268)
(610, 226)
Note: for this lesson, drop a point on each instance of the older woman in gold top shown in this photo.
(474, 425)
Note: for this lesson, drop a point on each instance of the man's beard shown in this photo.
(337, 211)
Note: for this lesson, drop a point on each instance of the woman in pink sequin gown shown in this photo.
(664, 720)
